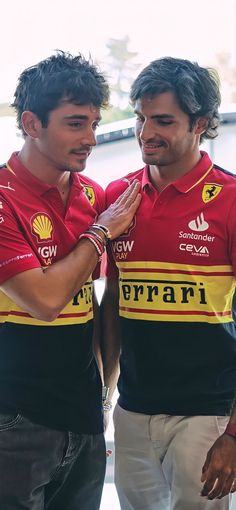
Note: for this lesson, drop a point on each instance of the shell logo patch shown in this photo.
(210, 191)
(89, 193)
(42, 227)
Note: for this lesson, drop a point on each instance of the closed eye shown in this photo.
(75, 124)
(164, 122)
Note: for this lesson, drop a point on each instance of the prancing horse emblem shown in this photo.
(210, 191)
(89, 192)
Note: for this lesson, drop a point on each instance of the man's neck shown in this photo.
(42, 168)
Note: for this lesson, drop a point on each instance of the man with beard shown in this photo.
(53, 231)
(168, 303)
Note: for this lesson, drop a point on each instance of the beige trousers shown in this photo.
(159, 459)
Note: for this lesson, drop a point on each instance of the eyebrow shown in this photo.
(157, 116)
(80, 117)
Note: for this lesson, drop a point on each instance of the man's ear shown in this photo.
(31, 124)
(201, 125)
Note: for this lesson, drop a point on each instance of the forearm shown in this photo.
(66, 277)
(97, 335)
(111, 372)
(44, 293)
(111, 336)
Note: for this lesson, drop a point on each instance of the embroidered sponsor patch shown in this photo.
(42, 227)
(89, 192)
(210, 191)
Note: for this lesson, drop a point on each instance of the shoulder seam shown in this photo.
(227, 172)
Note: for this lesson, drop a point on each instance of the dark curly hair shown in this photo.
(196, 89)
(42, 87)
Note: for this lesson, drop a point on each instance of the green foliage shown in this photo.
(121, 70)
(119, 54)
(115, 113)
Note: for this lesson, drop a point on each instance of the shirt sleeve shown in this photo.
(16, 254)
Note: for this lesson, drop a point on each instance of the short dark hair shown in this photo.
(43, 86)
(196, 89)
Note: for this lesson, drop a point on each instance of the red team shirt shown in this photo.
(36, 231)
(176, 267)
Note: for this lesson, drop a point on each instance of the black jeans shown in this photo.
(45, 469)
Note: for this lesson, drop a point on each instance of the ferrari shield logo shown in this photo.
(89, 192)
(210, 191)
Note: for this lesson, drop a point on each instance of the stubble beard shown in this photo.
(80, 167)
(155, 161)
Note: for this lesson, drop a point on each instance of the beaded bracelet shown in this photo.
(97, 244)
(94, 234)
(104, 229)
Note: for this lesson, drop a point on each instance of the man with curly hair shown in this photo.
(53, 231)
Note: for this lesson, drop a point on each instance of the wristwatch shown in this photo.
(231, 430)
(106, 403)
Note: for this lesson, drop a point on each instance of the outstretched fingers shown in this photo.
(129, 195)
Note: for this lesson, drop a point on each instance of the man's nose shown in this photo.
(147, 131)
(89, 138)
